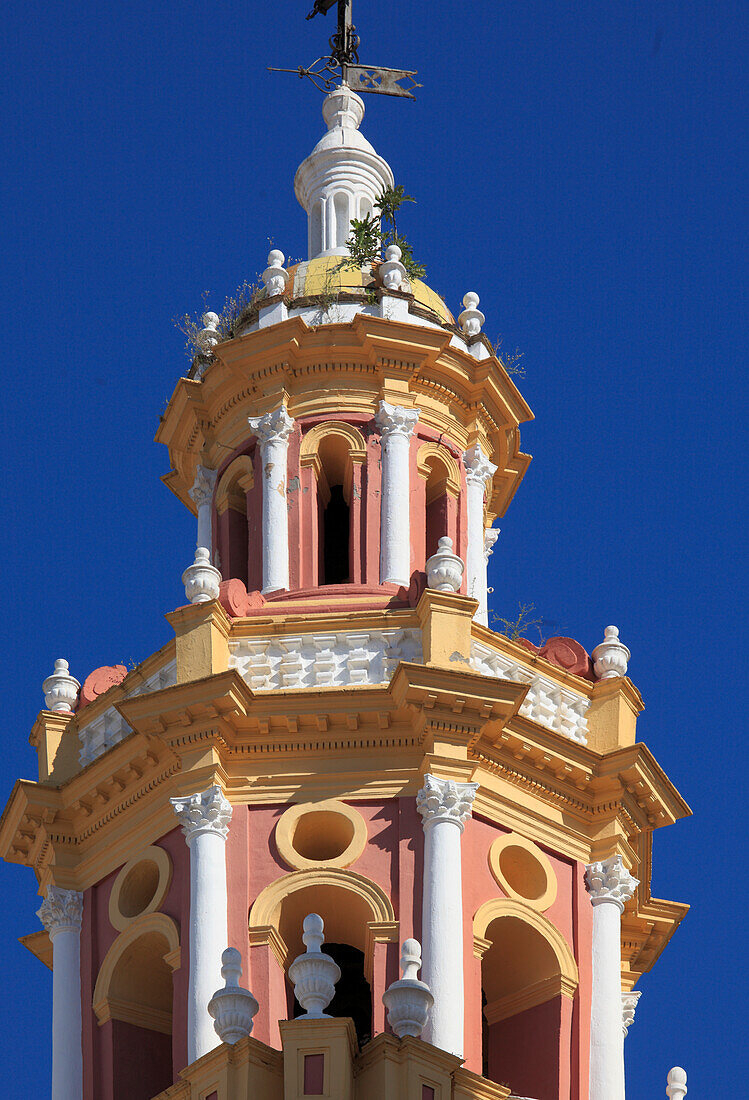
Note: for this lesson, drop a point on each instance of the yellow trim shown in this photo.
(515, 840)
(286, 828)
(106, 1008)
(508, 907)
(529, 997)
(356, 452)
(152, 854)
(432, 451)
(240, 473)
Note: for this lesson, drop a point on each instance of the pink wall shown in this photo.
(530, 1051)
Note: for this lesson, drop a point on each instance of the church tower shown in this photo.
(335, 761)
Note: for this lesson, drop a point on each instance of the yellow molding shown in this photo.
(154, 1019)
(503, 908)
(432, 453)
(236, 481)
(202, 631)
(538, 860)
(288, 822)
(266, 935)
(40, 945)
(529, 996)
(106, 1007)
(265, 907)
(152, 854)
(54, 735)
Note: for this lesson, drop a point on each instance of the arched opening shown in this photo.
(133, 997)
(233, 519)
(442, 486)
(331, 459)
(342, 220)
(528, 979)
(334, 511)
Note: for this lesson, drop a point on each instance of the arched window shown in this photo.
(441, 489)
(342, 218)
(233, 511)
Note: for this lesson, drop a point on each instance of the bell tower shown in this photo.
(334, 770)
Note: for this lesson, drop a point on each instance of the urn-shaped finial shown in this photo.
(275, 277)
(445, 569)
(201, 579)
(314, 973)
(408, 1001)
(471, 320)
(392, 273)
(60, 689)
(208, 336)
(677, 1083)
(610, 656)
(232, 1007)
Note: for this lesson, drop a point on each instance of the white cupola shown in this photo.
(341, 178)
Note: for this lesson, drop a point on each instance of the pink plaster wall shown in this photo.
(530, 1051)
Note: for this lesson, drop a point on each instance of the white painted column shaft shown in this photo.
(396, 426)
(202, 494)
(610, 885)
(444, 807)
(205, 821)
(479, 472)
(61, 915)
(273, 431)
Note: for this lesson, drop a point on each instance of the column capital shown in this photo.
(394, 420)
(274, 427)
(445, 800)
(491, 534)
(479, 470)
(609, 880)
(629, 1005)
(61, 911)
(203, 486)
(207, 812)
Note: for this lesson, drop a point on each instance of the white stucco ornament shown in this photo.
(392, 273)
(408, 1001)
(232, 1007)
(208, 336)
(60, 689)
(201, 579)
(676, 1086)
(444, 569)
(445, 800)
(608, 880)
(314, 973)
(629, 1006)
(610, 656)
(471, 320)
(275, 277)
(206, 812)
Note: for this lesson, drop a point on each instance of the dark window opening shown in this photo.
(436, 523)
(335, 524)
(484, 1038)
(353, 996)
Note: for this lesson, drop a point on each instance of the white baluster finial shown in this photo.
(314, 973)
(610, 657)
(471, 320)
(445, 569)
(209, 336)
(60, 689)
(677, 1083)
(392, 273)
(408, 1001)
(275, 277)
(232, 1007)
(201, 579)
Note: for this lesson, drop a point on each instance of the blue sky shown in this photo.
(582, 167)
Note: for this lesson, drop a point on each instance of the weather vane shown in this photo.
(342, 64)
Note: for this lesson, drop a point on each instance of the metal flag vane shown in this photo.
(342, 64)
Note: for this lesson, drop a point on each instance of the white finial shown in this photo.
(201, 579)
(275, 277)
(445, 569)
(314, 973)
(232, 1007)
(471, 320)
(392, 273)
(409, 1000)
(677, 1083)
(610, 657)
(208, 337)
(60, 689)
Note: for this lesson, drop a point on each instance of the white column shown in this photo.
(610, 885)
(202, 494)
(491, 535)
(479, 472)
(396, 426)
(273, 431)
(205, 822)
(444, 807)
(61, 914)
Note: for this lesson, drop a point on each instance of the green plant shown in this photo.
(389, 203)
(235, 306)
(374, 233)
(519, 627)
(364, 242)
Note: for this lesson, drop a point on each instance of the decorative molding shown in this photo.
(266, 935)
(609, 880)
(160, 858)
(203, 486)
(153, 1019)
(479, 470)
(530, 996)
(208, 811)
(500, 908)
(236, 481)
(273, 427)
(395, 420)
(536, 859)
(61, 911)
(431, 453)
(444, 800)
(629, 1007)
(491, 534)
(289, 820)
(107, 1008)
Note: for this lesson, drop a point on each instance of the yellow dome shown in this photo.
(329, 275)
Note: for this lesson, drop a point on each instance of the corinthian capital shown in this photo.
(207, 812)
(394, 420)
(61, 911)
(274, 427)
(203, 486)
(629, 1005)
(609, 880)
(491, 534)
(445, 800)
(479, 469)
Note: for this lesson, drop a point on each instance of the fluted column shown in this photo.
(205, 821)
(444, 807)
(61, 914)
(273, 431)
(202, 494)
(610, 885)
(479, 473)
(396, 426)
